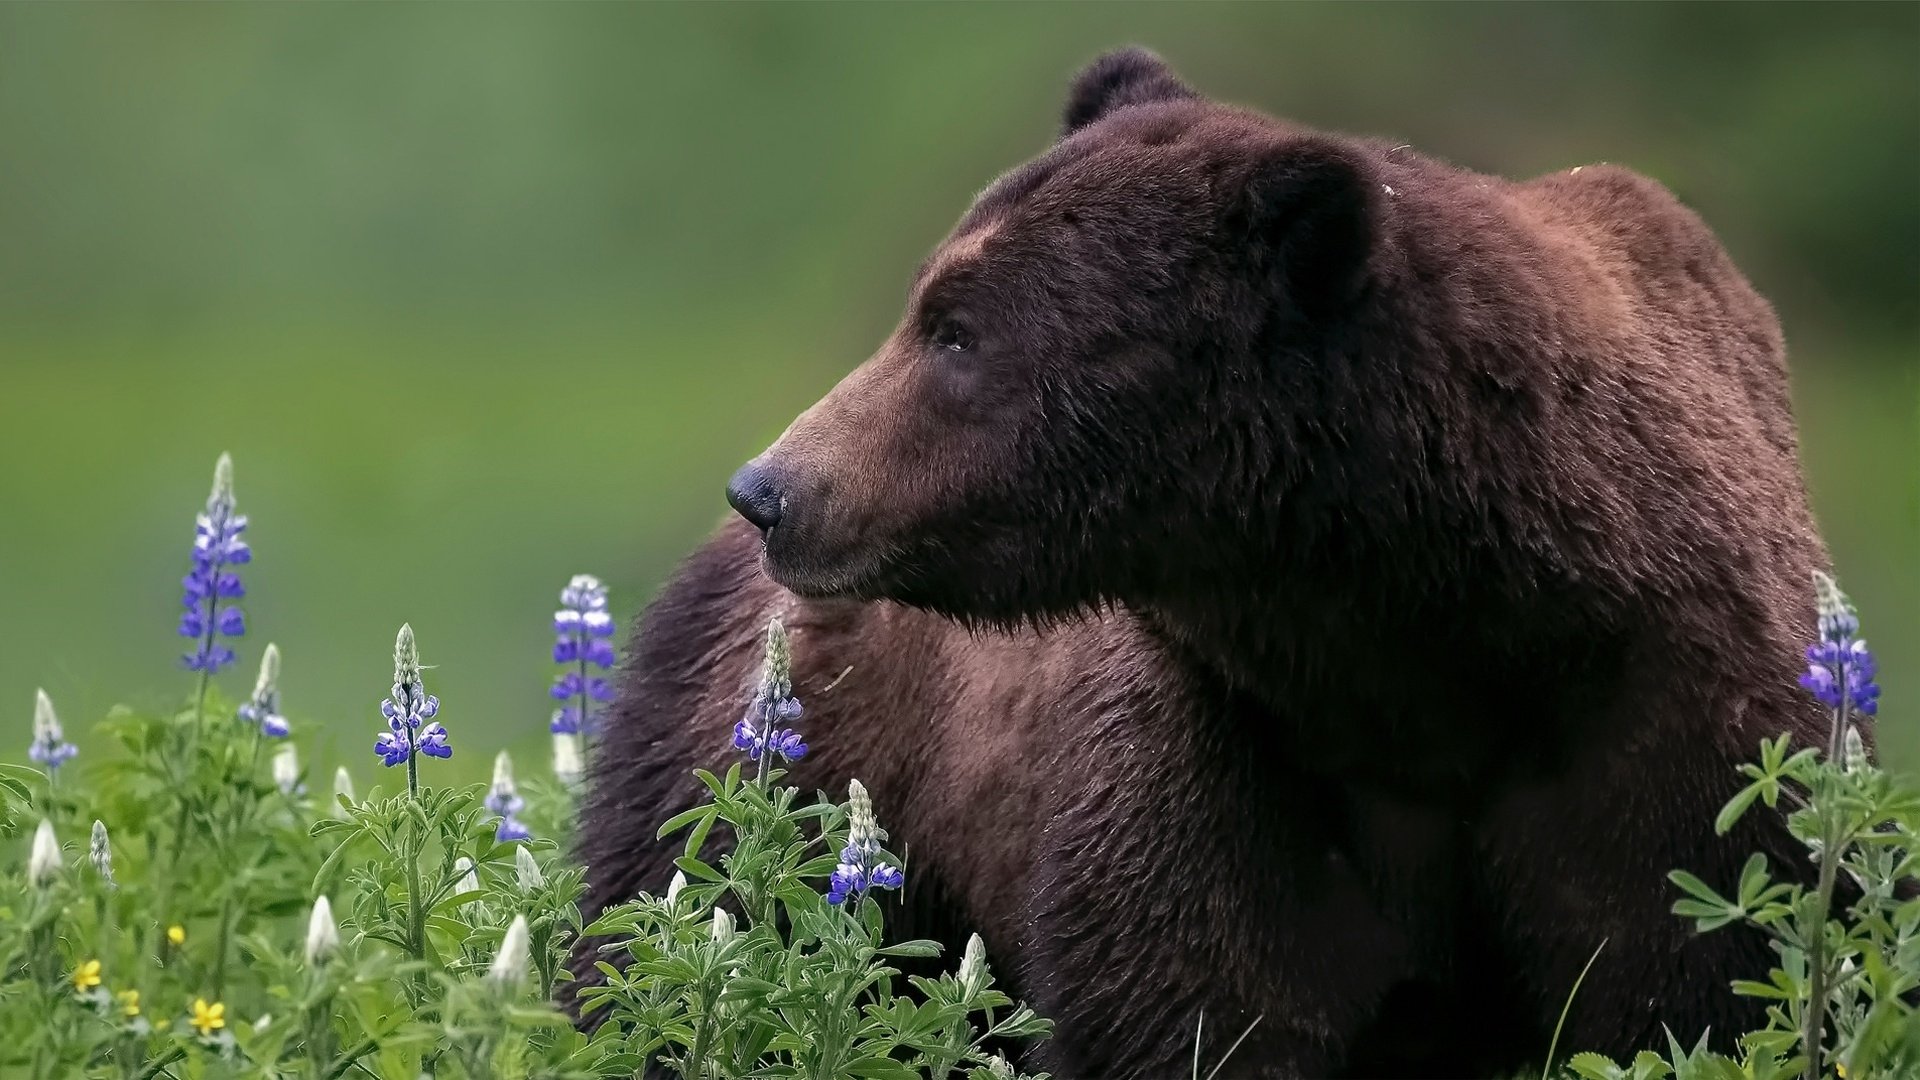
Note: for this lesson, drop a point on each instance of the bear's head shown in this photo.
(1097, 384)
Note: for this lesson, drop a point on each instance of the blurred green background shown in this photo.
(483, 296)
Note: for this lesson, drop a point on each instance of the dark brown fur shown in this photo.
(1333, 587)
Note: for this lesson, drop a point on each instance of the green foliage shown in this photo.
(1840, 1000)
(181, 954)
(805, 988)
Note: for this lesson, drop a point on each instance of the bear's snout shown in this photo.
(756, 493)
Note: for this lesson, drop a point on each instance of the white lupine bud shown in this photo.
(502, 775)
(406, 658)
(776, 669)
(343, 789)
(1000, 1067)
(566, 759)
(470, 880)
(262, 1024)
(286, 768)
(222, 494)
(268, 682)
(509, 968)
(527, 871)
(1855, 750)
(722, 926)
(863, 827)
(100, 852)
(323, 937)
(46, 723)
(973, 966)
(678, 883)
(43, 865)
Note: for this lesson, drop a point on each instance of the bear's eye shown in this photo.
(948, 334)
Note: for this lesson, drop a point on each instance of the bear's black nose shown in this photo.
(754, 492)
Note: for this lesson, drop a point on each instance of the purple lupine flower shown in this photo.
(583, 633)
(861, 868)
(50, 746)
(263, 708)
(505, 801)
(759, 733)
(408, 711)
(216, 547)
(1840, 668)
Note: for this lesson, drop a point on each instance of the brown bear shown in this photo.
(1282, 576)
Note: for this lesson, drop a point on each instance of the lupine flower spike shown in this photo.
(216, 547)
(759, 733)
(1840, 669)
(583, 643)
(43, 865)
(503, 800)
(100, 853)
(263, 708)
(50, 746)
(408, 713)
(860, 868)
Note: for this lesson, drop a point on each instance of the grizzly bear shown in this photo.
(1278, 576)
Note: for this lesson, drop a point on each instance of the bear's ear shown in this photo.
(1315, 201)
(1130, 76)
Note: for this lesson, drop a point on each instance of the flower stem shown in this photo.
(1814, 1021)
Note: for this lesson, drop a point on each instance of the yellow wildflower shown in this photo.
(86, 976)
(177, 934)
(129, 1003)
(207, 1018)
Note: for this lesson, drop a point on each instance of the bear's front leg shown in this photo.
(1183, 878)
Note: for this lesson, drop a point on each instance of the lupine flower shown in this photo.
(678, 883)
(342, 789)
(100, 853)
(263, 708)
(44, 862)
(208, 1018)
(567, 766)
(323, 937)
(1000, 1068)
(583, 633)
(759, 734)
(216, 546)
(50, 746)
(509, 968)
(722, 926)
(408, 711)
(1840, 669)
(859, 868)
(526, 871)
(503, 800)
(286, 769)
